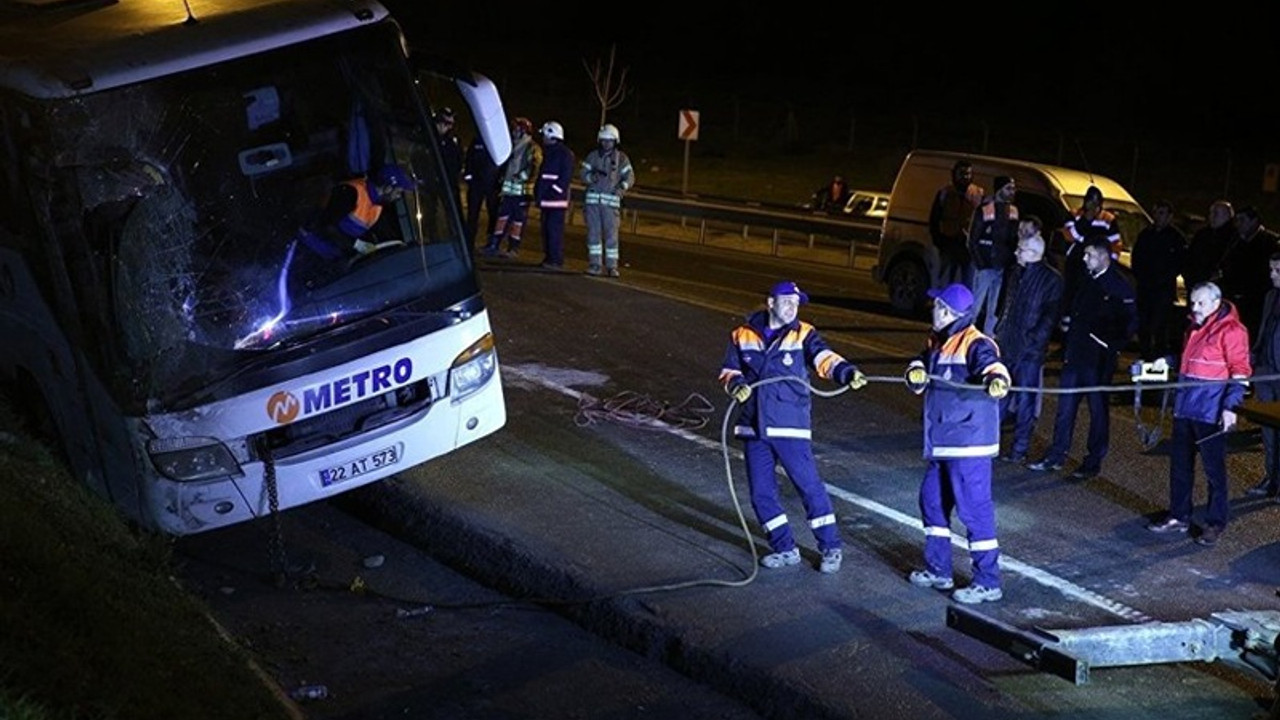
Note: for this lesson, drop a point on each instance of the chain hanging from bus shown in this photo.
(186, 302)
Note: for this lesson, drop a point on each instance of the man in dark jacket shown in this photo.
(450, 153)
(832, 197)
(1033, 302)
(1265, 357)
(1158, 256)
(1086, 222)
(1244, 275)
(774, 424)
(992, 237)
(480, 174)
(1209, 244)
(1104, 319)
(1217, 349)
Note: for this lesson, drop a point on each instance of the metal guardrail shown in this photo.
(776, 221)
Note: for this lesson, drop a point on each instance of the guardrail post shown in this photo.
(853, 251)
(635, 221)
(775, 241)
(702, 232)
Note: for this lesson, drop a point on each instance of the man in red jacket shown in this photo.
(1216, 349)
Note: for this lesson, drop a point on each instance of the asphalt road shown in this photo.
(632, 529)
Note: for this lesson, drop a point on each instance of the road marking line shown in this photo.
(533, 373)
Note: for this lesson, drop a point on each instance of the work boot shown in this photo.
(612, 272)
(831, 561)
(593, 269)
(975, 594)
(926, 579)
(780, 559)
(1209, 535)
(1045, 464)
(1170, 524)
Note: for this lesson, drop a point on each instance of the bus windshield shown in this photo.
(252, 205)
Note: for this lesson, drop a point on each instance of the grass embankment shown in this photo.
(91, 623)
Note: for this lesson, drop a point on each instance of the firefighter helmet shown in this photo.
(444, 115)
(609, 132)
(553, 129)
(522, 124)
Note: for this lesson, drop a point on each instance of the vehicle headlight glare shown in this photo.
(473, 367)
(191, 459)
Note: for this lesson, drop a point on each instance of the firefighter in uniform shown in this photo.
(774, 423)
(518, 175)
(551, 192)
(961, 436)
(607, 174)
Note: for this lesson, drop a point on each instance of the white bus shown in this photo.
(162, 314)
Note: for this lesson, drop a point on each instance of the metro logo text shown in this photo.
(357, 386)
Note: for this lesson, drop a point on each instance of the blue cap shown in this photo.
(788, 287)
(956, 296)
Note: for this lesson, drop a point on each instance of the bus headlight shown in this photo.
(188, 459)
(472, 368)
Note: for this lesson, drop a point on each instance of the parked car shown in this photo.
(867, 204)
(908, 262)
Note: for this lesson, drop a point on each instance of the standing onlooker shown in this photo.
(518, 174)
(1208, 245)
(1244, 276)
(1217, 349)
(1265, 358)
(949, 219)
(832, 197)
(551, 192)
(1088, 221)
(1158, 256)
(961, 435)
(608, 175)
(1032, 305)
(1105, 320)
(774, 423)
(992, 237)
(450, 153)
(480, 173)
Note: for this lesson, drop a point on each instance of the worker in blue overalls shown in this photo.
(964, 378)
(774, 424)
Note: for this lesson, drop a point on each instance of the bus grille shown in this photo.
(335, 425)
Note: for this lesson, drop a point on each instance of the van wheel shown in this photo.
(907, 280)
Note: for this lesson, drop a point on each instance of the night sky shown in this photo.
(1193, 74)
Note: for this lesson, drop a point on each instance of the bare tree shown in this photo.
(609, 93)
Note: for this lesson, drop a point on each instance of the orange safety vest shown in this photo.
(364, 215)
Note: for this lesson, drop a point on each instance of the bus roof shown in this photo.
(52, 50)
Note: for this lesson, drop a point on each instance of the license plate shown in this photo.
(359, 466)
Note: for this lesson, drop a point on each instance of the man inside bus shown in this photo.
(344, 227)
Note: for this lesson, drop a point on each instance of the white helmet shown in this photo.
(553, 129)
(609, 132)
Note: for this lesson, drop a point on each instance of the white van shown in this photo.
(908, 261)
